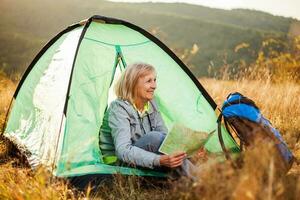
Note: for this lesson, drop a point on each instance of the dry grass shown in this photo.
(257, 179)
(22, 183)
(132, 187)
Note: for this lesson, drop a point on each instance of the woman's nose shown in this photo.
(153, 85)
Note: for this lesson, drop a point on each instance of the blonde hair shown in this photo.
(126, 85)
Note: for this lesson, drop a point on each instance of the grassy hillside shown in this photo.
(27, 25)
(239, 17)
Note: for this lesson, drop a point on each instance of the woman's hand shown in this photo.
(173, 160)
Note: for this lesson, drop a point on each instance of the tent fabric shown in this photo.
(38, 110)
(60, 102)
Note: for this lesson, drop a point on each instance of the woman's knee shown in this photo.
(151, 141)
(156, 137)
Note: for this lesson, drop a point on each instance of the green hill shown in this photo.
(28, 24)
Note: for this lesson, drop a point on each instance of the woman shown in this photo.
(135, 124)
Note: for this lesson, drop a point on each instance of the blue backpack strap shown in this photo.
(227, 124)
(219, 121)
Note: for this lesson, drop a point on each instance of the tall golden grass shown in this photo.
(22, 183)
(256, 179)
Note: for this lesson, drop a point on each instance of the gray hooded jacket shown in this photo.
(123, 126)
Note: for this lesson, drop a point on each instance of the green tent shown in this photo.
(59, 104)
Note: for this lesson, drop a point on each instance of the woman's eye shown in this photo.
(150, 80)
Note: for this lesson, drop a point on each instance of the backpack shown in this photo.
(244, 117)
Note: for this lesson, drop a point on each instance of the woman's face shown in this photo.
(145, 86)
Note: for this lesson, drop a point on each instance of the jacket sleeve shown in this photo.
(125, 151)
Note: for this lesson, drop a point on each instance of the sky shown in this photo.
(287, 8)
